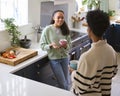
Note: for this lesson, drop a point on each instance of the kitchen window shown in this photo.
(17, 9)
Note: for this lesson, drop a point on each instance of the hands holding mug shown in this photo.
(54, 45)
(62, 43)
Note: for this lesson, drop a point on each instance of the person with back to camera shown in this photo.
(98, 65)
(55, 39)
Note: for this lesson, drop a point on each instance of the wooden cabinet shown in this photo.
(44, 72)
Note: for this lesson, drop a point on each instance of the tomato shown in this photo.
(11, 57)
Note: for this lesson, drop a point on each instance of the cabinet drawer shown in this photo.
(41, 63)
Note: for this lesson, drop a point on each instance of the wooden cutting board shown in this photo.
(23, 54)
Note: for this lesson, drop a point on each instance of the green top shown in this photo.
(52, 34)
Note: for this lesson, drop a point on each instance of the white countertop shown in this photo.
(10, 69)
(13, 85)
(81, 30)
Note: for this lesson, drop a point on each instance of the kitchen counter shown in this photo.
(83, 29)
(11, 69)
(13, 85)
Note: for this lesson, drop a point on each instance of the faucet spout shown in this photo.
(39, 31)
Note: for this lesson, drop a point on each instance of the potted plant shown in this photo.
(12, 29)
(111, 14)
(91, 3)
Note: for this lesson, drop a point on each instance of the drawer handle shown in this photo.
(73, 53)
(38, 73)
(38, 65)
(87, 45)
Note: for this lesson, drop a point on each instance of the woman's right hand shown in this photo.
(54, 45)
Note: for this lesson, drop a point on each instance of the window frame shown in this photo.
(23, 11)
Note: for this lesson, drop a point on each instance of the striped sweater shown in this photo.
(95, 70)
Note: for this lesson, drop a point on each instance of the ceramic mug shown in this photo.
(63, 42)
(73, 64)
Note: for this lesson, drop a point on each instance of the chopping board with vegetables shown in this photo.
(14, 56)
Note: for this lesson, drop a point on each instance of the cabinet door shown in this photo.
(39, 71)
(30, 72)
(46, 75)
(27, 72)
(19, 73)
(44, 72)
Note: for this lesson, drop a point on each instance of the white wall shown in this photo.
(25, 30)
(34, 19)
(34, 11)
(113, 5)
(71, 11)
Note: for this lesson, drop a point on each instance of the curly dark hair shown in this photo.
(64, 27)
(98, 21)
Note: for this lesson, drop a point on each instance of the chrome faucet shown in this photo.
(38, 30)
